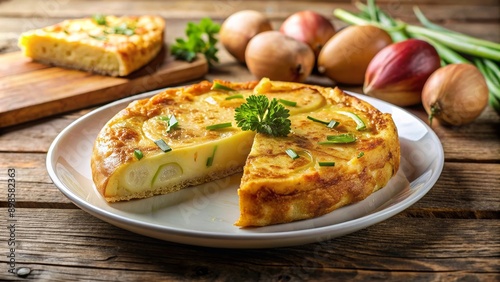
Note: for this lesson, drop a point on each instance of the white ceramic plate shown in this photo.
(204, 215)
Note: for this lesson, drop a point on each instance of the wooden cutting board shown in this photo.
(29, 90)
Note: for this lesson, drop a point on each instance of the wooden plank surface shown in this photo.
(67, 254)
(29, 91)
(451, 234)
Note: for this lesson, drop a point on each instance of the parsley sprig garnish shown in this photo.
(264, 116)
(201, 38)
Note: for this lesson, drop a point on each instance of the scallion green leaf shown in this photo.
(288, 103)
(432, 26)
(219, 126)
(360, 124)
(210, 160)
(338, 139)
(326, 163)
(99, 37)
(172, 123)
(138, 154)
(292, 154)
(219, 86)
(452, 46)
(361, 154)
(332, 124)
(162, 145)
(236, 96)
(318, 120)
(346, 137)
(457, 42)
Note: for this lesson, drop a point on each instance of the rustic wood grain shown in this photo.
(76, 244)
(479, 19)
(30, 92)
(15, 63)
(451, 234)
(216, 9)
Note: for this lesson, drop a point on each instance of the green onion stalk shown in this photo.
(453, 47)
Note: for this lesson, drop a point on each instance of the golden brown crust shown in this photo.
(277, 189)
(274, 188)
(137, 127)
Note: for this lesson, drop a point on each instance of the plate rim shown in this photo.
(213, 237)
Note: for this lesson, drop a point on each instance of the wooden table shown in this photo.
(452, 233)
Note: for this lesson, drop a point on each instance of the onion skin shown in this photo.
(398, 72)
(346, 55)
(276, 56)
(237, 30)
(455, 94)
(309, 27)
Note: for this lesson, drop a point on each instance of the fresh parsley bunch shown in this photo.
(264, 116)
(201, 38)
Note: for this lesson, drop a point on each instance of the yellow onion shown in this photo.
(279, 57)
(455, 94)
(346, 55)
(398, 72)
(309, 27)
(237, 30)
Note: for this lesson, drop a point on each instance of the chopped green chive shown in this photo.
(317, 120)
(219, 126)
(129, 32)
(236, 96)
(218, 86)
(163, 146)
(361, 154)
(330, 124)
(341, 137)
(210, 159)
(120, 29)
(138, 154)
(338, 139)
(326, 163)
(99, 37)
(172, 123)
(360, 125)
(292, 154)
(287, 103)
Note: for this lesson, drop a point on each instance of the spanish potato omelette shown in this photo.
(107, 45)
(140, 153)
